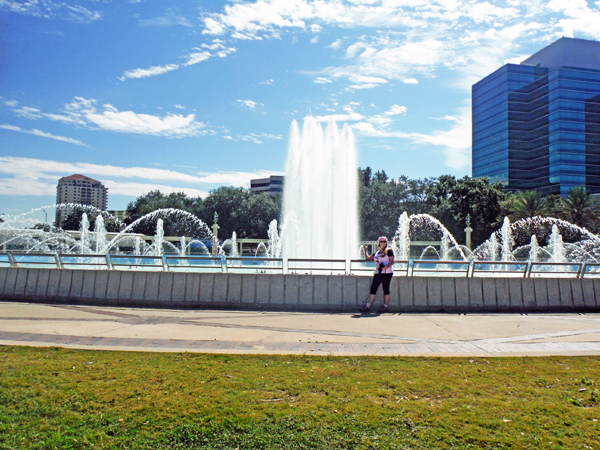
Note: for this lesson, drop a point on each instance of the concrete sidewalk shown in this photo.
(244, 332)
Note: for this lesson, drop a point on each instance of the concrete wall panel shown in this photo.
(152, 285)
(76, 284)
(21, 282)
(31, 283)
(305, 290)
(476, 293)
(434, 293)
(101, 284)
(553, 293)
(577, 291)
(395, 293)
(64, 286)
(89, 279)
(262, 289)
(449, 293)
(405, 293)
(541, 293)
(276, 289)
(528, 293)
(112, 290)
(589, 296)
(462, 293)
(566, 296)
(192, 287)
(178, 295)
(489, 294)
(11, 279)
(420, 293)
(292, 283)
(349, 297)
(41, 288)
(248, 295)
(515, 290)
(126, 285)
(363, 285)
(502, 295)
(53, 283)
(207, 281)
(320, 290)
(165, 287)
(3, 273)
(334, 295)
(139, 287)
(234, 292)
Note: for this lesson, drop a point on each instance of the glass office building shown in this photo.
(536, 125)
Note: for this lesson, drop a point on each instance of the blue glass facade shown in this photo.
(537, 127)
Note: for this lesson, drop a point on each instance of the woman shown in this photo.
(384, 269)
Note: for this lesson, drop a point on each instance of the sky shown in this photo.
(192, 95)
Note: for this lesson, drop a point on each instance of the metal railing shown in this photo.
(299, 265)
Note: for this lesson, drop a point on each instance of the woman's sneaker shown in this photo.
(382, 309)
(365, 309)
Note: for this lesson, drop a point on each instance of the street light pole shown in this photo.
(46, 215)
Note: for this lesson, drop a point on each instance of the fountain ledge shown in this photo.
(296, 292)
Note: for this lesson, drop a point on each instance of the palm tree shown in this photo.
(580, 208)
(528, 204)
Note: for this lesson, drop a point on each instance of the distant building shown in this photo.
(536, 125)
(82, 190)
(119, 214)
(272, 185)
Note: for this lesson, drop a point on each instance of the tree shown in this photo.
(73, 220)
(528, 204)
(454, 199)
(247, 213)
(155, 200)
(580, 208)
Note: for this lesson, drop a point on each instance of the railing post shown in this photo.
(11, 260)
(108, 262)
(223, 264)
(409, 269)
(527, 273)
(166, 266)
(581, 270)
(471, 269)
(58, 261)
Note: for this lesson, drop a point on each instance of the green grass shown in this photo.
(58, 398)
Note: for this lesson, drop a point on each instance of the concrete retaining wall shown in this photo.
(296, 292)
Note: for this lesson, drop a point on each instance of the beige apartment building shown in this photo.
(81, 190)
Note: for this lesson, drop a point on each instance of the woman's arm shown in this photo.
(391, 263)
(367, 256)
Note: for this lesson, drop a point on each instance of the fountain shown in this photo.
(320, 193)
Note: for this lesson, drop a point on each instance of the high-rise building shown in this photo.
(536, 125)
(272, 185)
(81, 190)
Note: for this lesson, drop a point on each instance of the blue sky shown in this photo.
(191, 95)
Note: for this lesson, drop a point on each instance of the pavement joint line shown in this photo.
(539, 336)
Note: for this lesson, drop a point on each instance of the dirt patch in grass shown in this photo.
(72, 399)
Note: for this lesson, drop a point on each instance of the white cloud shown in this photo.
(267, 82)
(351, 117)
(169, 19)
(314, 40)
(150, 72)
(249, 104)
(455, 143)
(36, 132)
(410, 81)
(11, 103)
(28, 176)
(49, 9)
(321, 80)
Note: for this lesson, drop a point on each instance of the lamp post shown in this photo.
(46, 215)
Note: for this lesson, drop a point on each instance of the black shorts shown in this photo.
(384, 279)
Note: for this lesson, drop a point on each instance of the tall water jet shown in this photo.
(321, 192)
(445, 247)
(83, 232)
(556, 246)
(402, 239)
(100, 234)
(507, 240)
(274, 248)
(159, 238)
(534, 248)
(492, 247)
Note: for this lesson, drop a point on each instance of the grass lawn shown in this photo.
(70, 399)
